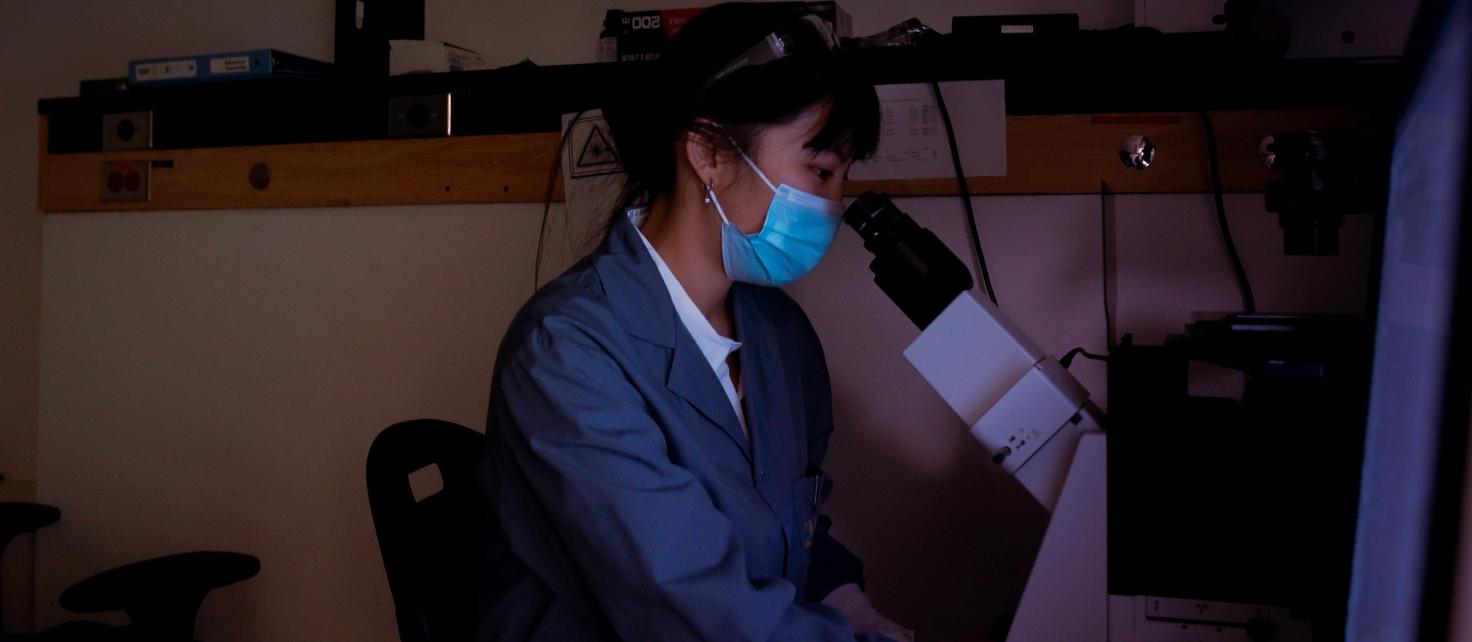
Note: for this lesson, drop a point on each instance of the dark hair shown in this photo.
(647, 124)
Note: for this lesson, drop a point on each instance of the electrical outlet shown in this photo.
(125, 181)
(419, 116)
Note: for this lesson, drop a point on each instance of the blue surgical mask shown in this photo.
(799, 230)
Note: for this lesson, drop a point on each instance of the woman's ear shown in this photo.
(702, 152)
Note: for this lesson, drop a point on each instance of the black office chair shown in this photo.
(428, 543)
(161, 596)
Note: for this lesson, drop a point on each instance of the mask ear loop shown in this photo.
(752, 163)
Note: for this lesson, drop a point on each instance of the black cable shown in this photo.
(1067, 359)
(945, 116)
(552, 175)
(1106, 254)
(1248, 303)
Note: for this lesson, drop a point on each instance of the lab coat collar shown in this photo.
(635, 290)
(639, 299)
(716, 347)
(762, 379)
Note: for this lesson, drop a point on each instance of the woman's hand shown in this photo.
(862, 616)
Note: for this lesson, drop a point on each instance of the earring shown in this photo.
(708, 190)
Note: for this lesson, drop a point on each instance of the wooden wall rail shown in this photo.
(1063, 154)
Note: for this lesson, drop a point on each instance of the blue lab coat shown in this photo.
(622, 498)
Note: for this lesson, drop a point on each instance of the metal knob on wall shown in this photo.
(1138, 152)
(260, 176)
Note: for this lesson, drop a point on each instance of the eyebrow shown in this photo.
(845, 155)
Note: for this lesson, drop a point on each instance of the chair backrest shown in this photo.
(24, 517)
(422, 492)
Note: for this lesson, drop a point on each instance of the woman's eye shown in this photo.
(822, 173)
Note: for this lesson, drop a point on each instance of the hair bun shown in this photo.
(640, 119)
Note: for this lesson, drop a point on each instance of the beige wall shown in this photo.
(213, 379)
(46, 47)
(20, 313)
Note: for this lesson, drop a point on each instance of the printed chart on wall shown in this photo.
(912, 137)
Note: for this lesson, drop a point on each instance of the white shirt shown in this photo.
(717, 349)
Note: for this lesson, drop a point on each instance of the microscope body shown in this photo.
(1020, 403)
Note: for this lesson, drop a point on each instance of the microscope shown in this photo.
(1162, 536)
(1018, 401)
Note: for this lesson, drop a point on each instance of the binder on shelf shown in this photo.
(258, 63)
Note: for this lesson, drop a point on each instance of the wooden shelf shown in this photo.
(1076, 154)
(1053, 154)
(471, 169)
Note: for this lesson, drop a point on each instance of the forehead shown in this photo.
(796, 133)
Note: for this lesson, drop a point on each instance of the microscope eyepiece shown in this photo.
(911, 265)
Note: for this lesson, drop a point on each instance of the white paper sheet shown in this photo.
(912, 139)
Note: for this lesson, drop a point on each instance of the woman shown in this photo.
(660, 412)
